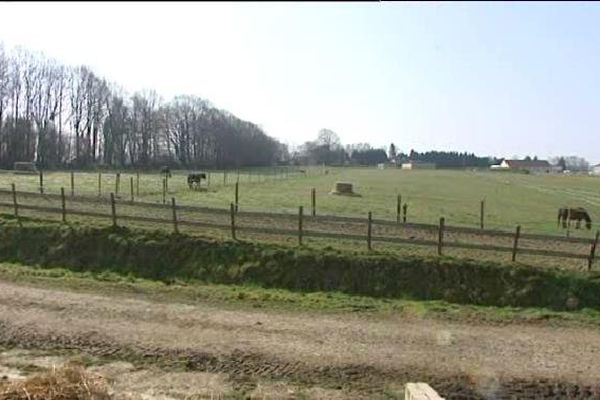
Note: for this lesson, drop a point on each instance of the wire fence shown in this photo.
(479, 210)
(297, 227)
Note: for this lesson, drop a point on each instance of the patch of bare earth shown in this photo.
(267, 354)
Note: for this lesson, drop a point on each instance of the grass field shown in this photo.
(510, 199)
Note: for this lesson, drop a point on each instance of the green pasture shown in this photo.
(511, 199)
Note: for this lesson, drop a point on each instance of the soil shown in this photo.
(275, 354)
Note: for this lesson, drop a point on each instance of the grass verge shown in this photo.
(252, 297)
(173, 258)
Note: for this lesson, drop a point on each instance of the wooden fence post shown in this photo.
(72, 184)
(131, 185)
(64, 204)
(99, 184)
(113, 209)
(167, 183)
(369, 227)
(15, 203)
(174, 207)
(398, 207)
(313, 197)
(516, 243)
(164, 190)
(593, 251)
(41, 182)
(117, 183)
(232, 212)
(441, 236)
(137, 184)
(300, 217)
(237, 186)
(481, 214)
(404, 210)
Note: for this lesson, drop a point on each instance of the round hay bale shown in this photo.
(344, 189)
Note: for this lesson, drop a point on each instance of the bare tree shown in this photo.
(56, 114)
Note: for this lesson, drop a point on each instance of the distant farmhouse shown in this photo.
(539, 166)
(595, 170)
(418, 165)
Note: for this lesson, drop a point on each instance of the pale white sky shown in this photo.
(495, 79)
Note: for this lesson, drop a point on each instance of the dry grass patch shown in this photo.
(67, 382)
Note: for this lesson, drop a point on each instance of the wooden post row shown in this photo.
(64, 204)
(174, 207)
(441, 235)
(300, 217)
(516, 243)
(113, 209)
(369, 229)
(481, 214)
(117, 183)
(15, 203)
(232, 212)
(593, 250)
(131, 185)
(237, 186)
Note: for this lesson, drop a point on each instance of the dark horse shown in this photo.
(195, 179)
(567, 214)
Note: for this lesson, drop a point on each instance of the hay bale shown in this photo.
(343, 189)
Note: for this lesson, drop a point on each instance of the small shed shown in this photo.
(25, 167)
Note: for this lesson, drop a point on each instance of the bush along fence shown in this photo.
(368, 230)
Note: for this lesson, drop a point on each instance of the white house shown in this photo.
(541, 166)
(418, 165)
(595, 170)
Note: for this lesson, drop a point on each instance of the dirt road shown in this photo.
(345, 355)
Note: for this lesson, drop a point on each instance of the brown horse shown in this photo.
(566, 215)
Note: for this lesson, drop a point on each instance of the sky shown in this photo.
(504, 79)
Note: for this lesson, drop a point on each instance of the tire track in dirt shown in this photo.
(138, 331)
(245, 368)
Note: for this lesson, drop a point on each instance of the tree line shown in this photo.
(327, 149)
(64, 116)
(450, 159)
